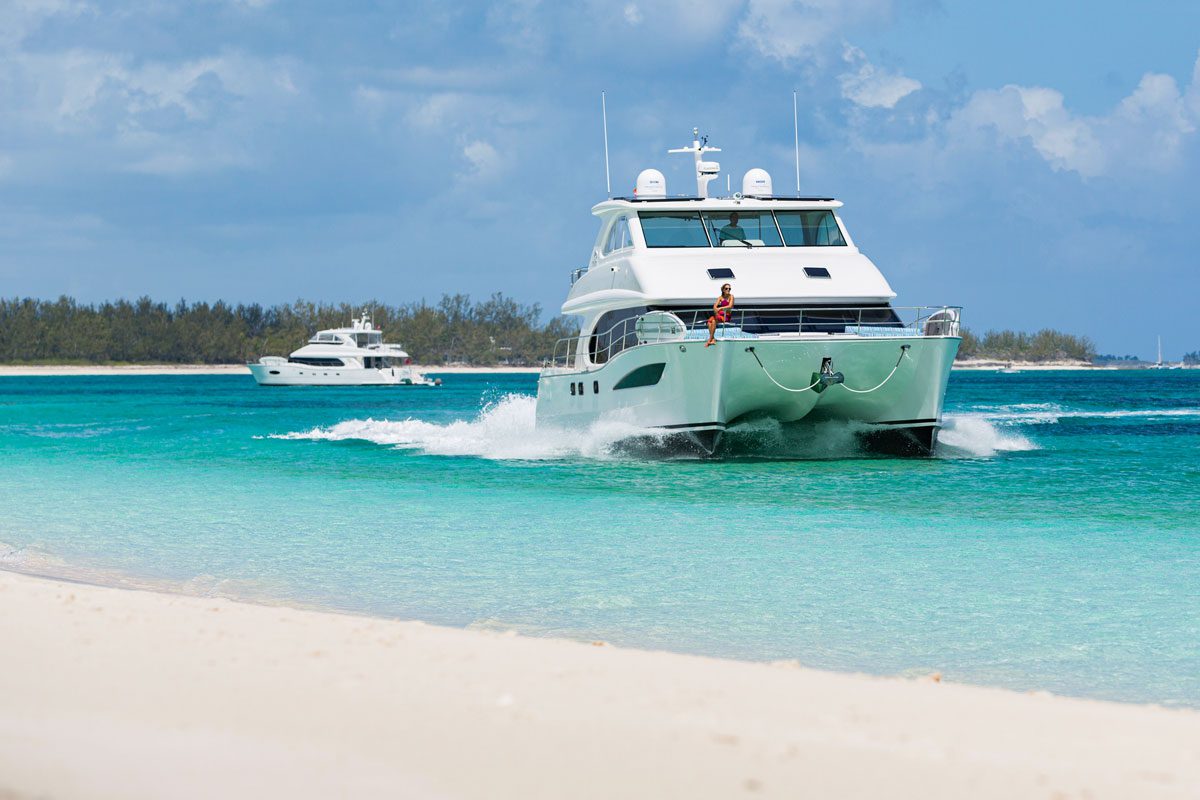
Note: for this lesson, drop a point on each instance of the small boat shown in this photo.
(1160, 364)
(351, 356)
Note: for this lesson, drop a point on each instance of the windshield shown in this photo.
(730, 228)
(810, 229)
(673, 229)
(741, 228)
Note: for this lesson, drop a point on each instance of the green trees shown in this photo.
(497, 330)
(1045, 345)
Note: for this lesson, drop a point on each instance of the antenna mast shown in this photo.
(796, 130)
(706, 171)
(604, 114)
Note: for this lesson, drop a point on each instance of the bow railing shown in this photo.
(691, 324)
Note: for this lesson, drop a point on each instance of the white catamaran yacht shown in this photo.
(352, 356)
(812, 335)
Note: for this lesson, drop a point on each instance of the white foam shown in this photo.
(506, 430)
(1051, 413)
(976, 436)
(502, 430)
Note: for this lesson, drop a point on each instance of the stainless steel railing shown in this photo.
(690, 324)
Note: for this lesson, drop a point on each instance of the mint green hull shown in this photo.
(707, 389)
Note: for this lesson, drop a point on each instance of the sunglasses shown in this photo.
(725, 288)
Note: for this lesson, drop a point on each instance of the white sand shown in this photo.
(111, 693)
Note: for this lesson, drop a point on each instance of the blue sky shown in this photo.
(1037, 163)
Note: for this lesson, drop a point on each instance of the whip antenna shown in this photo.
(604, 114)
(796, 129)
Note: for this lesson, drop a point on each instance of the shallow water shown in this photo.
(1053, 544)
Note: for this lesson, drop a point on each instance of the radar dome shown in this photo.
(757, 183)
(650, 184)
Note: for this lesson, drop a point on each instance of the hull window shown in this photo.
(318, 362)
(646, 375)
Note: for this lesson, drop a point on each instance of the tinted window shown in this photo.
(756, 227)
(673, 229)
(810, 229)
(614, 332)
(618, 237)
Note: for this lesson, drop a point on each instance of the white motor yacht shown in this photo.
(351, 356)
(812, 335)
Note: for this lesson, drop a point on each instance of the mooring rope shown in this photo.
(903, 353)
(767, 372)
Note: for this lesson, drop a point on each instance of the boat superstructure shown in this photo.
(813, 334)
(352, 356)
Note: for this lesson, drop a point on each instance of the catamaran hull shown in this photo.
(893, 387)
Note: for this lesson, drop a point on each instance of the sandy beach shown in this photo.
(139, 694)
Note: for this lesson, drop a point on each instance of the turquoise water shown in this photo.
(1054, 545)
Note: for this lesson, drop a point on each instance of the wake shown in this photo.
(505, 430)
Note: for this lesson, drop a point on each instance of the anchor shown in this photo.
(826, 377)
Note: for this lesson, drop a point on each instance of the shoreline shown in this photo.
(34, 370)
(53, 370)
(250, 700)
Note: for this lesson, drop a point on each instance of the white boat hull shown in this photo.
(290, 374)
(702, 390)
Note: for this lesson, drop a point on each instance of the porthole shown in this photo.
(572, 388)
(595, 387)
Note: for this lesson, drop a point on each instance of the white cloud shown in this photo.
(872, 87)
(794, 30)
(1037, 115)
(485, 163)
(632, 14)
(23, 17)
(158, 116)
(519, 24)
(1145, 131)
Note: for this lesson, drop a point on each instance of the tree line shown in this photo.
(1045, 345)
(498, 330)
(454, 330)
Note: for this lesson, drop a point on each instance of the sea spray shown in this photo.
(505, 429)
(974, 436)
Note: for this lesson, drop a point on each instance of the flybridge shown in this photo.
(683, 198)
(756, 183)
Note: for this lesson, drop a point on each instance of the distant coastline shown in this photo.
(95, 370)
(31, 370)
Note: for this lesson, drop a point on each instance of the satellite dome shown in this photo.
(757, 183)
(650, 185)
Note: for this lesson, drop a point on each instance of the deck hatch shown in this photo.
(645, 375)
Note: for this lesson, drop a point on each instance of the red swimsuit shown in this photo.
(723, 305)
